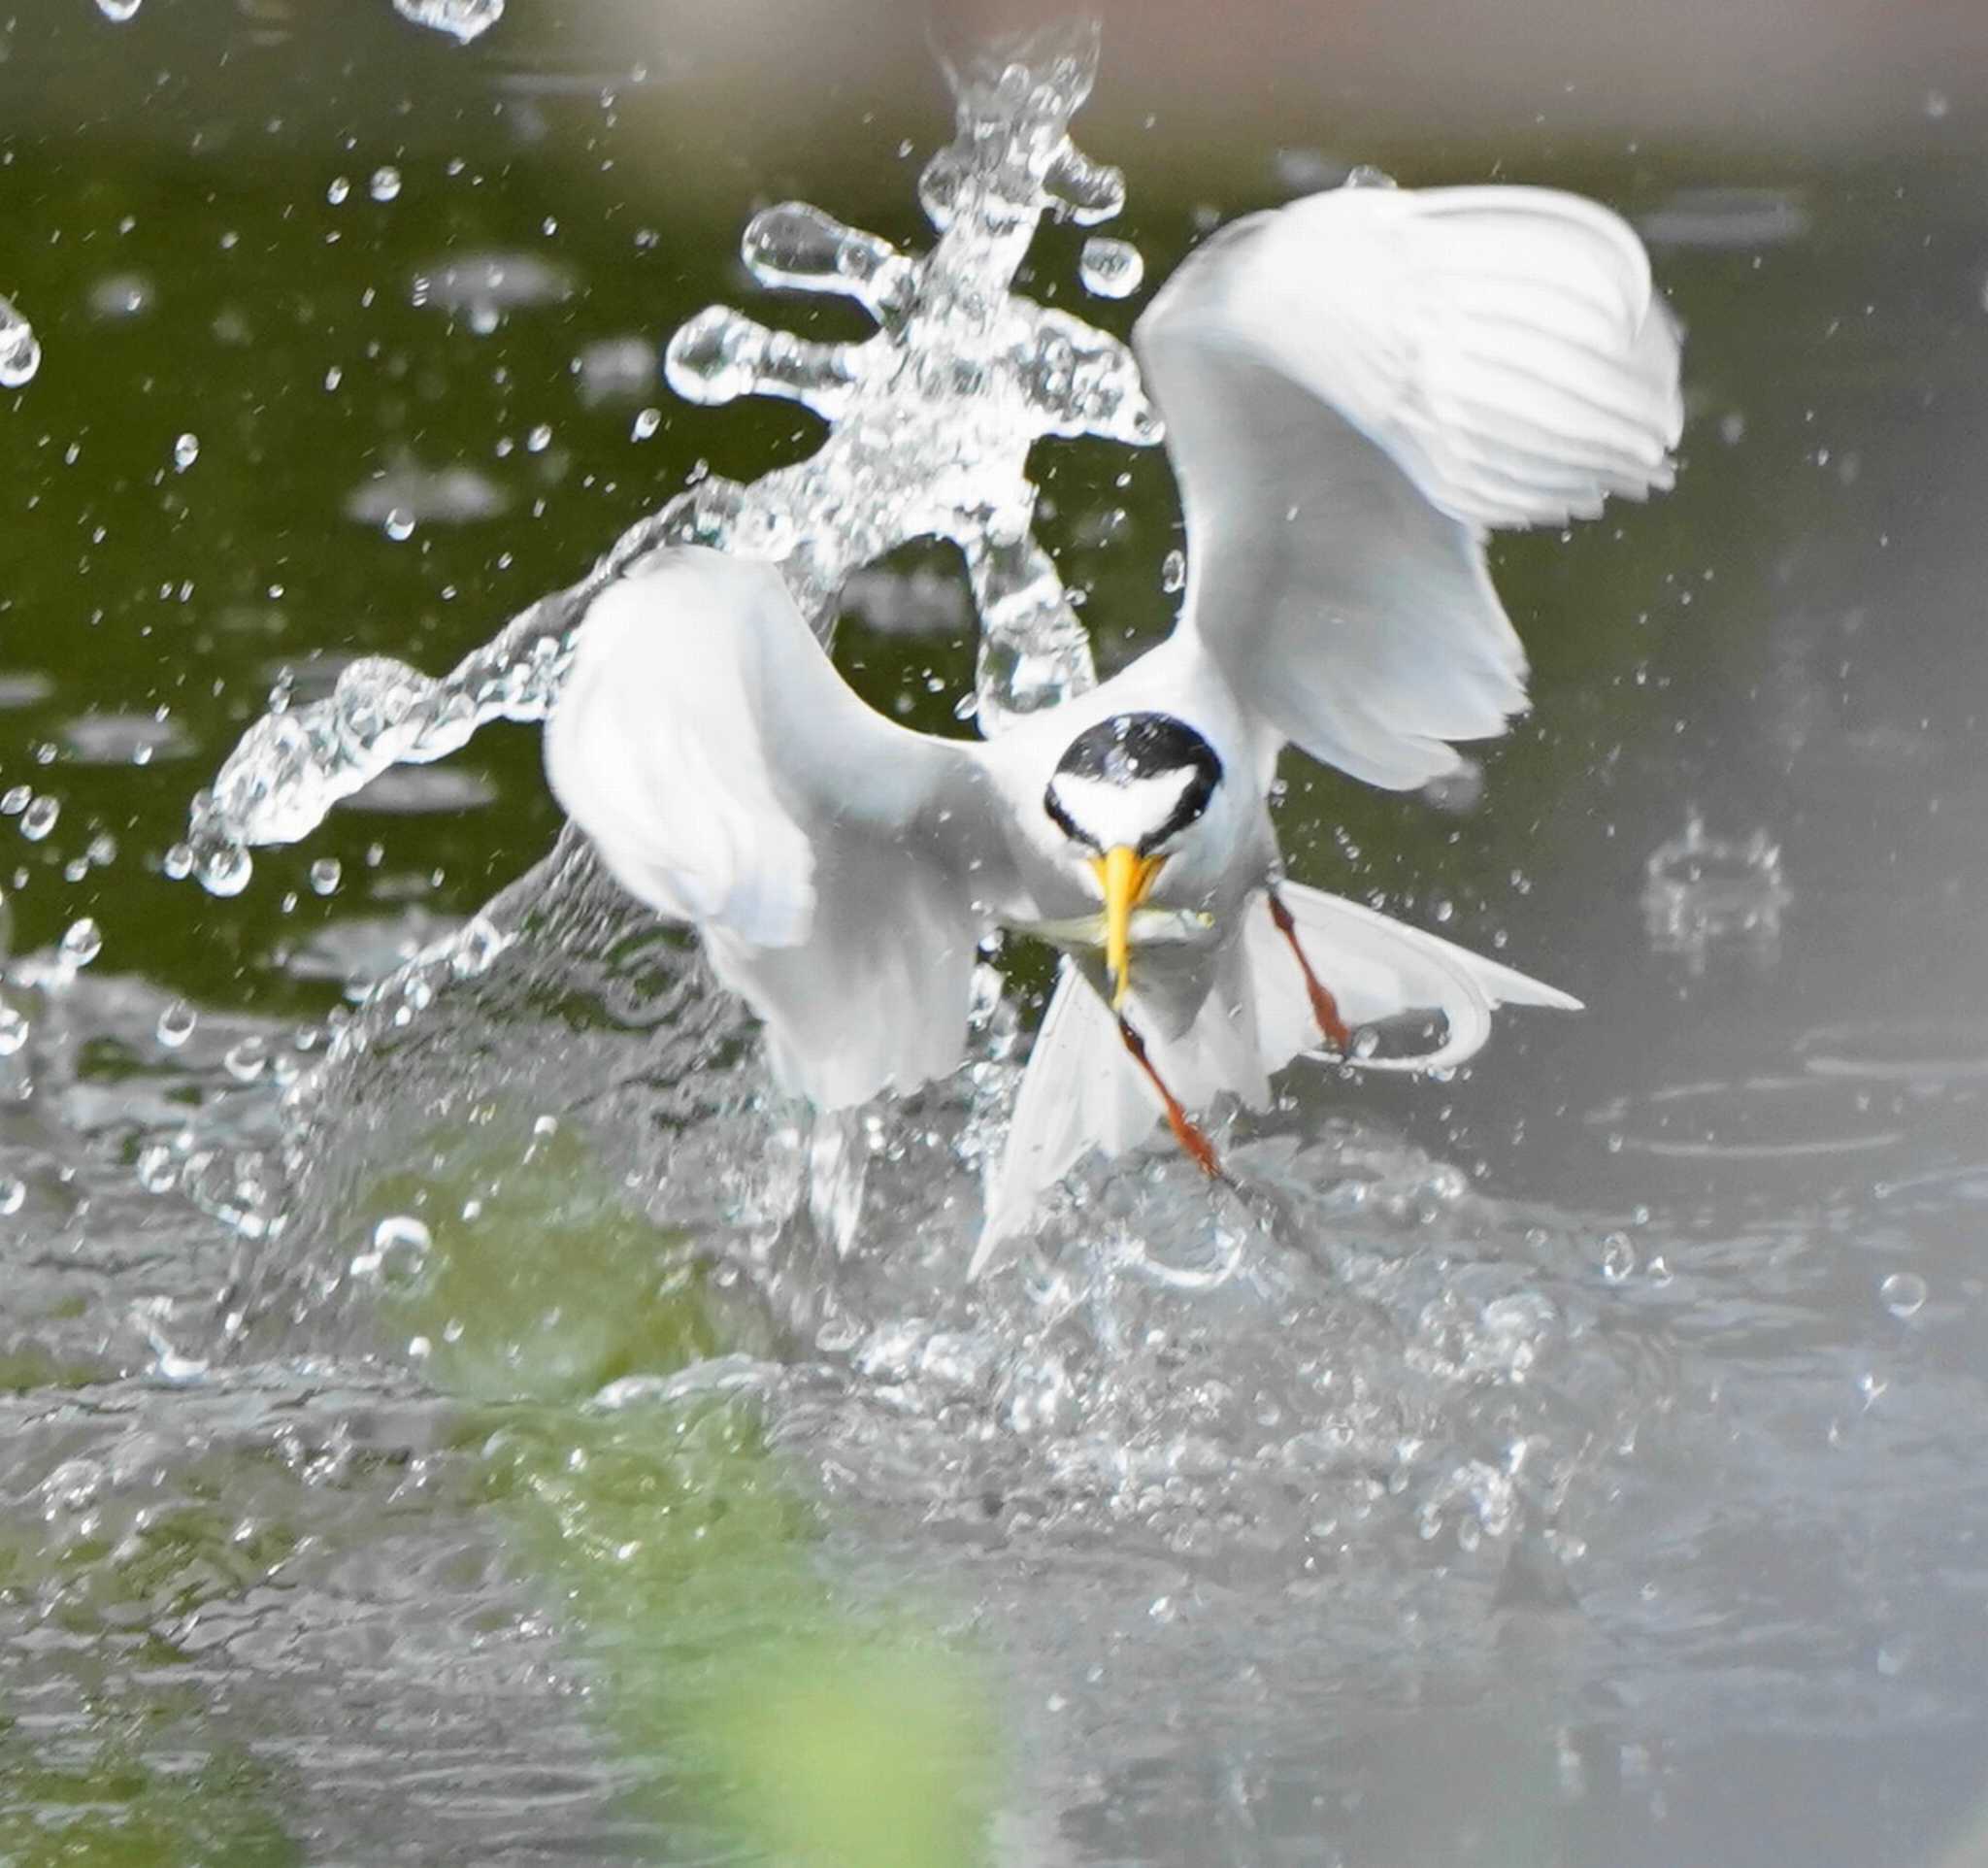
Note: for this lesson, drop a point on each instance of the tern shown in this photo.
(1356, 387)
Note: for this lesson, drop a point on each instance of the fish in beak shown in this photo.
(1126, 878)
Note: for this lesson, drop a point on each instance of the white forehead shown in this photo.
(1113, 812)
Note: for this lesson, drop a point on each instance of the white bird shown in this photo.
(1355, 387)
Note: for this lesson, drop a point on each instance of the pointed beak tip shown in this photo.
(1124, 878)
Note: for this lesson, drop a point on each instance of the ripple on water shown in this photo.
(482, 287)
(1909, 1051)
(357, 952)
(24, 688)
(1754, 1121)
(412, 494)
(123, 739)
(1726, 218)
(421, 790)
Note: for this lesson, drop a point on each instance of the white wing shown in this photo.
(840, 868)
(1081, 1091)
(1355, 387)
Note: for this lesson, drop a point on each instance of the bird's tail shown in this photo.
(1082, 1090)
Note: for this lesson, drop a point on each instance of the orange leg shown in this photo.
(1194, 1144)
(1324, 1006)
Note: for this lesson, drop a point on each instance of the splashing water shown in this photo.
(930, 423)
(1702, 891)
(462, 20)
(20, 350)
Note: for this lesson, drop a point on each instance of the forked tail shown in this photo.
(1082, 1090)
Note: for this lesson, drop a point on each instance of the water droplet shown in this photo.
(1364, 175)
(14, 1029)
(246, 1061)
(1903, 1294)
(226, 870)
(340, 187)
(118, 11)
(1174, 572)
(385, 184)
(540, 439)
(83, 943)
(20, 350)
(400, 524)
(12, 1193)
(185, 451)
(176, 1025)
(1618, 1259)
(646, 424)
(1110, 268)
(39, 818)
(401, 1231)
(324, 875)
(158, 1170)
(1936, 105)
(399, 1251)
(462, 20)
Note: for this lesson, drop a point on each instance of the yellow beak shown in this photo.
(1126, 877)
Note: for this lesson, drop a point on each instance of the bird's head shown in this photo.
(1125, 793)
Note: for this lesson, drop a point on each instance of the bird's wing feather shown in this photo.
(837, 865)
(1081, 1091)
(1355, 387)
(1375, 968)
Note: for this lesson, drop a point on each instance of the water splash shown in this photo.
(930, 423)
(462, 20)
(20, 350)
(1702, 891)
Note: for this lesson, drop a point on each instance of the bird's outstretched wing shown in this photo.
(1355, 387)
(838, 867)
